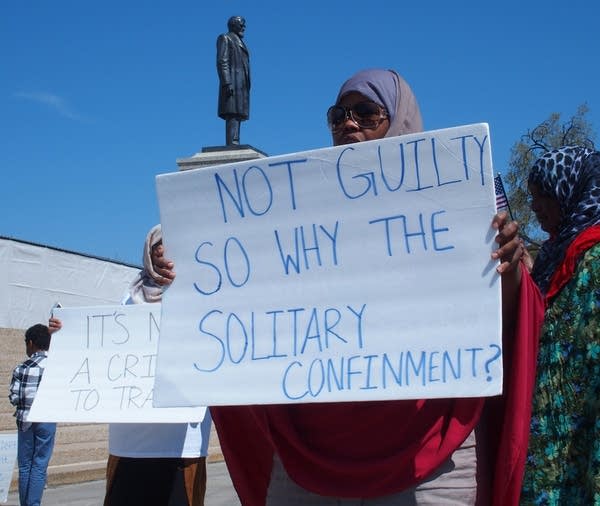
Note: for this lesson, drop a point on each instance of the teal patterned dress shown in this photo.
(563, 462)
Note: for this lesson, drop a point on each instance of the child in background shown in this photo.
(35, 439)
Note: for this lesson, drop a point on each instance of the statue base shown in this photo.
(219, 155)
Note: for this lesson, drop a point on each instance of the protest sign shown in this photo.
(358, 272)
(101, 366)
(8, 457)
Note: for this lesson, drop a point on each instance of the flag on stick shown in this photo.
(501, 199)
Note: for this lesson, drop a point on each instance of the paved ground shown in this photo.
(219, 491)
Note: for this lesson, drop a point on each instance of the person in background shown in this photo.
(35, 440)
(409, 452)
(156, 463)
(563, 462)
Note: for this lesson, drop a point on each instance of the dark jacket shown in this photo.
(233, 67)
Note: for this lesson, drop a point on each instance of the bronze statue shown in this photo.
(233, 67)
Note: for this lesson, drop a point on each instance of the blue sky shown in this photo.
(97, 98)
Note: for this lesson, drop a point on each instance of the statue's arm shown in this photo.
(223, 65)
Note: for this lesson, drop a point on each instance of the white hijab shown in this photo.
(144, 288)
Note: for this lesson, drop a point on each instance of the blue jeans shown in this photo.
(34, 450)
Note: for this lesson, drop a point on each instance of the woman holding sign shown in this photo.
(563, 464)
(156, 463)
(393, 452)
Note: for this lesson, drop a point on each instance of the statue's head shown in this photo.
(237, 24)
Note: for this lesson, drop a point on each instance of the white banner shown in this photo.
(36, 276)
(8, 457)
(358, 272)
(101, 366)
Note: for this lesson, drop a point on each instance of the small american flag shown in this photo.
(501, 200)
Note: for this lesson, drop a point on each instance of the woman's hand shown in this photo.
(510, 252)
(164, 268)
(510, 247)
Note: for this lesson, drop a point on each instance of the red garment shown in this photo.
(370, 449)
(564, 272)
(508, 416)
(342, 449)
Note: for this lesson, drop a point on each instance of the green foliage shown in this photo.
(550, 134)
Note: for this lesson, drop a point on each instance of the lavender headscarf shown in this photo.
(571, 175)
(144, 287)
(387, 88)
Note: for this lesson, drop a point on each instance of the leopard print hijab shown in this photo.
(571, 175)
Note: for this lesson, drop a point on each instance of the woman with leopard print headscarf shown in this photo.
(563, 463)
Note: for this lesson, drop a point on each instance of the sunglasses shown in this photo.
(367, 115)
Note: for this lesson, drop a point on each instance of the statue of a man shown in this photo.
(233, 67)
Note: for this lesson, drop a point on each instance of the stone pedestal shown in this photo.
(219, 155)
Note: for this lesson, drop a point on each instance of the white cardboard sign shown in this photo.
(358, 272)
(8, 457)
(101, 366)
